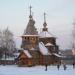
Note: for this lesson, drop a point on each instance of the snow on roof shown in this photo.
(57, 55)
(49, 44)
(43, 49)
(29, 35)
(44, 34)
(21, 49)
(27, 53)
(16, 54)
(32, 48)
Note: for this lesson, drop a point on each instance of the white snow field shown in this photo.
(37, 70)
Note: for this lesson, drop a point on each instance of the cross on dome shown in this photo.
(30, 11)
(45, 24)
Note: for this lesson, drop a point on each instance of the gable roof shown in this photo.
(32, 49)
(49, 44)
(34, 53)
(27, 53)
(43, 49)
(45, 34)
(57, 55)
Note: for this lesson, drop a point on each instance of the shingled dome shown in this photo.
(30, 29)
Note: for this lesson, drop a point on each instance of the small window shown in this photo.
(28, 38)
(25, 37)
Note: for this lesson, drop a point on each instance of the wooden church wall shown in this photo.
(46, 40)
(29, 42)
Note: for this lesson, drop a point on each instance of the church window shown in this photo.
(25, 37)
(28, 38)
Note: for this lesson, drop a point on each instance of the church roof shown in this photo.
(49, 44)
(32, 49)
(43, 49)
(29, 35)
(45, 34)
(27, 53)
(30, 29)
(57, 55)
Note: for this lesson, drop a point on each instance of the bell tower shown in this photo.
(30, 36)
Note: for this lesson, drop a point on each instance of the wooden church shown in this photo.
(38, 48)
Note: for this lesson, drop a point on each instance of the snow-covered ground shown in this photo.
(37, 70)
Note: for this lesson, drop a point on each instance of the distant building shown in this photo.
(69, 57)
(73, 51)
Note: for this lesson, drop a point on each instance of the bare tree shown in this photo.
(1, 50)
(8, 42)
(0, 39)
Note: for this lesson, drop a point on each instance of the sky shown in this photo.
(60, 14)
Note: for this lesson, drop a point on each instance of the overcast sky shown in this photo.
(60, 14)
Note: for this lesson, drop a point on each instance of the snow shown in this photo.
(27, 53)
(57, 55)
(10, 58)
(21, 49)
(49, 44)
(44, 34)
(29, 35)
(32, 48)
(16, 54)
(36, 70)
(43, 49)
